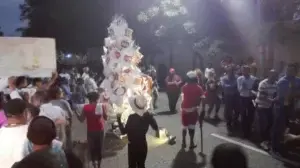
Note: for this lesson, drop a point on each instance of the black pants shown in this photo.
(280, 123)
(231, 107)
(154, 96)
(173, 98)
(95, 143)
(213, 101)
(68, 143)
(247, 115)
(265, 120)
(137, 154)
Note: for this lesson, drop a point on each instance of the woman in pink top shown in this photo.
(3, 118)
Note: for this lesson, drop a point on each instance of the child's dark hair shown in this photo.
(36, 80)
(41, 96)
(229, 155)
(41, 131)
(93, 97)
(34, 111)
(80, 81)
(53, 93)
(20, 80)
(15, 107)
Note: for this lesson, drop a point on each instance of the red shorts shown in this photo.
(189, 118)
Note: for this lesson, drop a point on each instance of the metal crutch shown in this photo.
(201, 118)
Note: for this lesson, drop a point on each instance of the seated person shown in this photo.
(292, 141)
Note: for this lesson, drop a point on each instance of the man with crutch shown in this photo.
(191, 98)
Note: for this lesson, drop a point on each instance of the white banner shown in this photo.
(34, 57)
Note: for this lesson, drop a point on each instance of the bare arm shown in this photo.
(61, 133)
(168, 82)
(124, 130)
(152, 122)
(52, 81)
(81, 117)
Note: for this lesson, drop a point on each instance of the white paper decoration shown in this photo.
(122, 76)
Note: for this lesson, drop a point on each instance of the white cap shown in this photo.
(138, 104)
(191, 74)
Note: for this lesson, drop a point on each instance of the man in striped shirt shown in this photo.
(264, 101)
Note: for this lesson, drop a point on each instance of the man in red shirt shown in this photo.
(173, 82)
(95, 127)
(192, 94)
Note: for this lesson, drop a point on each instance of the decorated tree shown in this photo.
(123, 78)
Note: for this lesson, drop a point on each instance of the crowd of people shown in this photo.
(36, 114)
(36, 120)
(269, 107)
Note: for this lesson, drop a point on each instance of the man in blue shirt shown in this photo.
(245, 86)
(287, 93)
(229, 85)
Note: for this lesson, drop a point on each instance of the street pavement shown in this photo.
(171, 156)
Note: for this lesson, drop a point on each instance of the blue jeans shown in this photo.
(279, 126)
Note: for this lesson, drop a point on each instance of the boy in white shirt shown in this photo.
(46, 108)
(14, 135)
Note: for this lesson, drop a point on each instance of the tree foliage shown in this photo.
(173, 20)
(280, 10)
(76, 25)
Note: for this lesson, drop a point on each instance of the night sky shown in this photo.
(9, 16)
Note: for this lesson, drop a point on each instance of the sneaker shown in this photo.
(216, 117)
(193, 146)
(275, 154)
(229, 131)
(265, 146)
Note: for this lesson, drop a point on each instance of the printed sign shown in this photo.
(34, 57)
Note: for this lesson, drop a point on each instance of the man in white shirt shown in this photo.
(245, 85)
(52, 112)
(14, 135)
(264, 100)
(90, 84)
(85, 73)
(64, 74)
(208, 70)
(46, 107)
